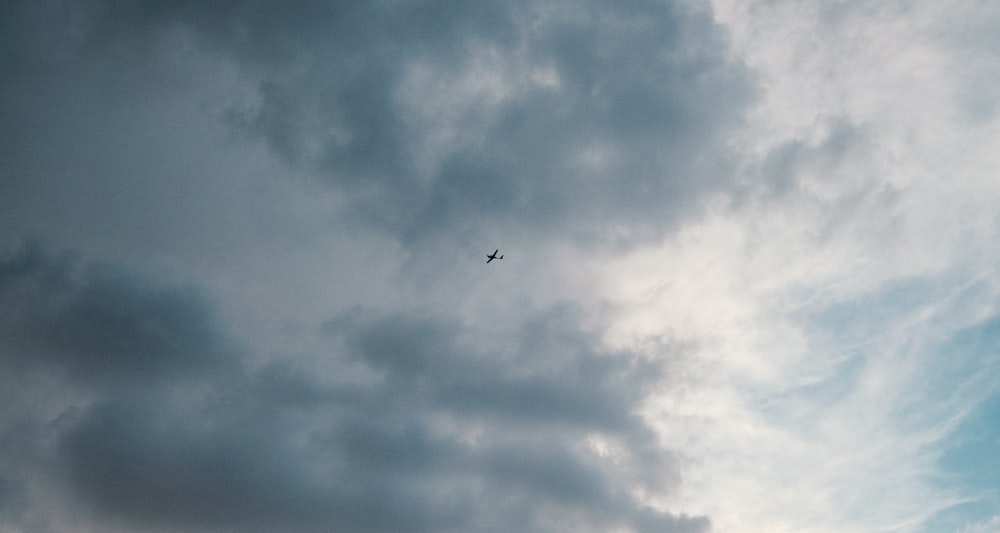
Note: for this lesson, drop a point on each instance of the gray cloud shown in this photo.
(783, 166)
(548, 375)
(235, 177)
(444, 434)
(135, 405)
(102, 325)
(13, 501)
(620, 144)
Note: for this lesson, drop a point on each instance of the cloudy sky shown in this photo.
(750, 279)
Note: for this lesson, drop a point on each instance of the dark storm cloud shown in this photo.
(102, 325)
(443, 433)
(644, 87)
(69, 333)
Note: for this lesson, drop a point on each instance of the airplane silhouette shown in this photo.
(494, 256)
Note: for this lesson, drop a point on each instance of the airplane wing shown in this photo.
(490, 259)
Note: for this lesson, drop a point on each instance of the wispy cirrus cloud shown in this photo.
(827, 303)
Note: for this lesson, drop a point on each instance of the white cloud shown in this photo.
(792, 420)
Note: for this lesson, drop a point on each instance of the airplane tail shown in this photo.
(501, 257)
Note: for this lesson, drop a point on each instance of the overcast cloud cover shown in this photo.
(750, 278)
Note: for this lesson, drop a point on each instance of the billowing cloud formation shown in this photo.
(421, 119)
(749, 281)
(433, 433)
(431, 114)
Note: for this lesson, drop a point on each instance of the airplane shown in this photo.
(494, 256)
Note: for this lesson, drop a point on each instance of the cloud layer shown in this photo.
(749, 279)
(431, 432)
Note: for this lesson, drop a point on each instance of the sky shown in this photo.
(750, 278)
